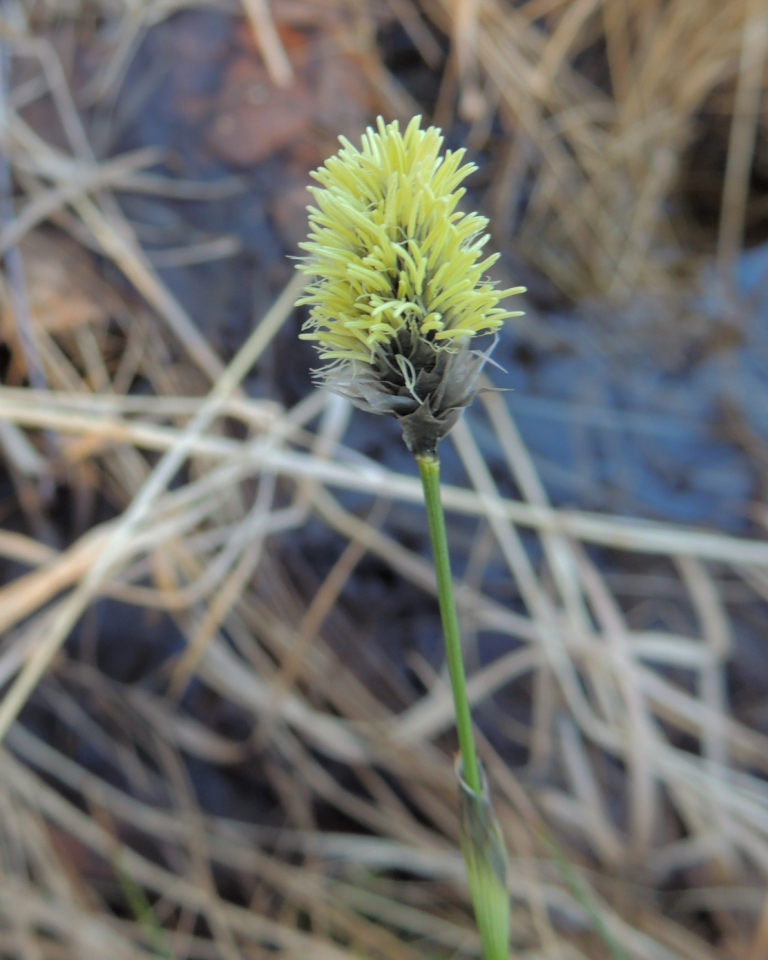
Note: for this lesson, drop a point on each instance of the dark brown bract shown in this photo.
(424, 387)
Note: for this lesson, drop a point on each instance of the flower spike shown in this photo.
(398, 295)
(400, 289)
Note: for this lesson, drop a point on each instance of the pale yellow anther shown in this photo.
(388, 247)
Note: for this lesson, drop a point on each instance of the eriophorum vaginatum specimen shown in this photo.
(400, 286)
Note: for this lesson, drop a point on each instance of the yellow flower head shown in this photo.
(400, 290)
(390, 250)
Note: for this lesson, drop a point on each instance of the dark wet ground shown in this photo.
(645, 414)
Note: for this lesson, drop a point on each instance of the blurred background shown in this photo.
(227, 730)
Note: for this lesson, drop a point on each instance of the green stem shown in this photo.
(429, 468)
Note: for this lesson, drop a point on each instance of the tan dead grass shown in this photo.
(598, 170)
(202, 552)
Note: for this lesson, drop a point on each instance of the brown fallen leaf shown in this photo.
(256, 119)
(64, 291)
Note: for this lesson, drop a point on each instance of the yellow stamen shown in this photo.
(389, 248)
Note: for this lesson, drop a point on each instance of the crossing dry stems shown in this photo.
(637, 760)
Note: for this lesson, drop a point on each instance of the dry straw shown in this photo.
(606, 694)
(593, 172)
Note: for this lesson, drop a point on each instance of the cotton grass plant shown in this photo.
(399, 294)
